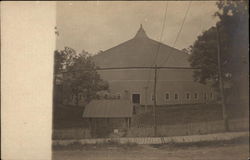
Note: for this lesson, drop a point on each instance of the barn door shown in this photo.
(136, 98)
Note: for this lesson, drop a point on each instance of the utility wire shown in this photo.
(184, 19)
(201, 26)
(178, 34)
(160, 39)
(162, 31)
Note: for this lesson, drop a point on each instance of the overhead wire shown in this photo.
(162, 31)
(182, 24)
(201, 26)
(178, 34)
(160, 39)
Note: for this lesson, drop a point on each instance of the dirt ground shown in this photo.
(146, 152)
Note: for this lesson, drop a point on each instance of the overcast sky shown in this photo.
(100, 25)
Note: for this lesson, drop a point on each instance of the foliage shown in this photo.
(84, 78)
(64, 59)
(232, 29)
(79, 74)
(204, 56)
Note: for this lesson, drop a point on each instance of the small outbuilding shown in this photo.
(108, 114)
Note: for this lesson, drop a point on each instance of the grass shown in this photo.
(180, 114)
(68, 117)
(73, 133)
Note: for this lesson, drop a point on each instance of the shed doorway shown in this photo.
(136, 98)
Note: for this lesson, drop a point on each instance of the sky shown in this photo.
(99, 25)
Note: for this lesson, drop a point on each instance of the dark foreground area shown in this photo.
(71, 116)
(227, 152)
(236, 149)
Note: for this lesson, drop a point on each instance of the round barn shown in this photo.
(174, 86)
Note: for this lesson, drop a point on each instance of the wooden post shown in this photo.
(90, 127)
(155, 127)
(89, 121)
(129, 122)
(127, 119)
(225, 118)
(95, 127)
(146, 96)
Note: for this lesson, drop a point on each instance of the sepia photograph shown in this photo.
(143, 80)
(151, 80)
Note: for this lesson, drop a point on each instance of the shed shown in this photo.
(109, 109)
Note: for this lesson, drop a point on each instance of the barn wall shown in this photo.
(128, 82)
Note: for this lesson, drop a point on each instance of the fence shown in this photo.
(163, 130)
(157, 140)
(239, 124)
(189, 128)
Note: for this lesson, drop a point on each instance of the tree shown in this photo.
(186, 50)
(63, 59)
(204, 56)
(80, 75)
(233, 32)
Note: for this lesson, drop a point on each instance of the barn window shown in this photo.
(195, 95)
(176, 96)
(167, 96)
(187, 95)
(136, 98)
